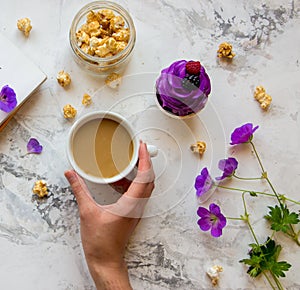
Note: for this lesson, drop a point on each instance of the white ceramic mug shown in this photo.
(120, 181)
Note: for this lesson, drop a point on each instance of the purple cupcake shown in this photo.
(182, 89)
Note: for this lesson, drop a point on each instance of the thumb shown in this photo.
(79, 189)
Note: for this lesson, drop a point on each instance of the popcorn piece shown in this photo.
(63, 78)
(82, 37)
(93, 28)
(92, 16)
(112, 45)
(24, 25)
(213, 274)
(113, 80)
(69, 112)
(122, 35)
(104, 32)
(116, 23)
(87, 49)
(106, 13)
(121, 45)
(225, 50)
(40, 188)
(86, 100)
(102, 50)
(95, 42)
(199, 147)
(262, 97)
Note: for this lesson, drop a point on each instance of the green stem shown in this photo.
(244, 190)
(292, 230)
(294, 235)
(247, 178)
(274, 191)
(258, 192)
(291, 200)
(297, 238)
(265, 175)
(278, 284)
(271, 284)
(247, 220)
(273, 234)
(234, 218)
(257, 156)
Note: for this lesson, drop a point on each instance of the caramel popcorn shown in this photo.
(199, 147)
(104, 34)
(213, 274)
(106, 14)
(262, 97)
(122, 35)
(116, 23)
(69, 112)
(63, 78)
(40, 188)
(24, 25)
(113, 80)
(82, 37)
(91, 16)
(86, 100)
(225, 50)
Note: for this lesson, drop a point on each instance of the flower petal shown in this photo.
(204, 224)
(222, 164)
(203, 212)
(8, 100)
(243, 134)
(203, 182)
(254, 129)
(214, 209)
(33, 146)
(221, 221)
(216, 231)
(228, 166)
(221, 177)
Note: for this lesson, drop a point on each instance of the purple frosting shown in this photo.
(176, 99)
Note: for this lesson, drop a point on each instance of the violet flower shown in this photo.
(8, 100)
(243, 134)
(211, 219)
(228, 166)
(203, 182)
(34, 146)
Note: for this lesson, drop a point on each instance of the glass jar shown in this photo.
(95, 64)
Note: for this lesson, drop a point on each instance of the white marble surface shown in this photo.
(39, 240)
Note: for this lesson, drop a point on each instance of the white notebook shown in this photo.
(20, 73)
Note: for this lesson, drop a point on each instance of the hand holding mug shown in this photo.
(105, 230)
(103, 148)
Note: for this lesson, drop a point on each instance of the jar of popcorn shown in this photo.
(102, 37)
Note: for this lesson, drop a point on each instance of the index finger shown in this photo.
(80, 190)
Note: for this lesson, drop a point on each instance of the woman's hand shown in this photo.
(105, 230)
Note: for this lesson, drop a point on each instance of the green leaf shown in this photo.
(278, 268)
(281, 218)
(263, 257)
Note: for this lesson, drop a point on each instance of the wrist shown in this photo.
(111, 277)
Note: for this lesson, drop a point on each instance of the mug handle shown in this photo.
(153, 151)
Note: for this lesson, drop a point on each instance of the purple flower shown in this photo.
(211, 219)
(228, 166)
(33, 146)
(203, 182)
(243, 134)
(8, 100)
